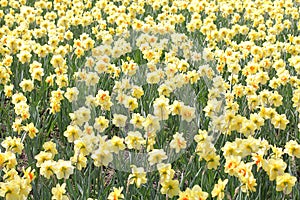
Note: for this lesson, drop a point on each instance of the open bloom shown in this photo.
(292, 148)
(187, 113)
(59, 191)
(134, 140)
(218, 190)
(119, 120)
(63, 169)
(157, 156)
(274, 168)
(170, 188)
(116, 194)
(178, 142)
(137, 176)
(285, 183)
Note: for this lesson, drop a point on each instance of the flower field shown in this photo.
(148, 99)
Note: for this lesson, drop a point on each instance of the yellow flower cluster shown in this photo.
(101, 78)
(15, 185)
(206, 150)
